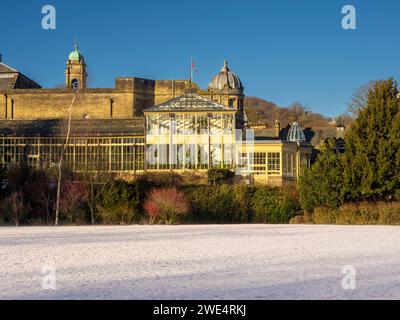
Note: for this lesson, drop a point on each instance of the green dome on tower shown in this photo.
(75, 55)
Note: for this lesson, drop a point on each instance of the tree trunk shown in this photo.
(61, 161)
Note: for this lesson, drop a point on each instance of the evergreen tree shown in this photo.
(372, 146)
(322, 185)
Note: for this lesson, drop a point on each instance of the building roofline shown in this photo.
(182, 103)
(12, 70)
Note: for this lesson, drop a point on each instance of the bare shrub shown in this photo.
(323, 215)
(365, 213)
(14, 207)
(73, 195)
(166, 204)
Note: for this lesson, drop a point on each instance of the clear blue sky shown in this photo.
(283, 50)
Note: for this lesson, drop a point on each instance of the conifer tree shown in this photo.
(372, 146)
(322, 185)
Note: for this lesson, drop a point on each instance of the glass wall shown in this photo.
(274, 163)
(81, 154)
(179, 141)
(261, 163)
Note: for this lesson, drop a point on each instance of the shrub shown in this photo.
(166, 204)
(73, 197)
(218, 176)
(159, 179)
(40, 192)
(219, 204)
(271, 205)
(389, 213)
(357, 214)
(364, 213)
(14, 208)
(121, 213)
(323, 185)
(324, 215)
(297, 220)
(120, 204)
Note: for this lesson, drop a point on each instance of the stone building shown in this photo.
(139, 125)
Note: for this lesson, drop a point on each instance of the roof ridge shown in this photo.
(8, 67)
(190, 101)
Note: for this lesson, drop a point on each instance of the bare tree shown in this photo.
(14, 206)
(60, 164)
(359, 99)
(97, 184)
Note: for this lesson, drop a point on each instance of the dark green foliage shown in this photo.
(151, 180)
(272, 205)
(120, 204)
(219, 204)
(323, 184)
(218, 176)
(370, 169)
(241, 204)
(373, 146)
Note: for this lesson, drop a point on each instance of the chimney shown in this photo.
(277, 128)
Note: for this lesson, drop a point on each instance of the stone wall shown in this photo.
(128, 99)
(54, 104)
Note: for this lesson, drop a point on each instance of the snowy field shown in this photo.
(199, 262)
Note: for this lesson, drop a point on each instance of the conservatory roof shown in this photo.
(189, 102)
(79, 127)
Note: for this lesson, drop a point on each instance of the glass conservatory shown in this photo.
(190, 132)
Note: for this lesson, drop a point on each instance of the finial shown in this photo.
(76, 44)
(225, 67)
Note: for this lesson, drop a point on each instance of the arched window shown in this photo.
(75, 84)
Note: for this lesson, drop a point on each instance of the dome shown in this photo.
(225, 79)
(75, 55)
(296, 133)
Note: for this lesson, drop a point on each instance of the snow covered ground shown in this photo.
(199, 262)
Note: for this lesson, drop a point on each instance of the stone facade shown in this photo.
(186, 127)
(129, 97)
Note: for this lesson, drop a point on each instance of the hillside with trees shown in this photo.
(264, 113)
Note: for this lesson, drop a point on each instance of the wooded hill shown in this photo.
(262, 112)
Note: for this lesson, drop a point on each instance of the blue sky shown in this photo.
(283, 50)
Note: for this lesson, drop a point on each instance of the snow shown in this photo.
(200, 262)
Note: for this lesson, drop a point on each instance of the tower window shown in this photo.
(75, 84)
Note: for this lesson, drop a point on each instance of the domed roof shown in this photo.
(75, 55)
(296, 133)
(225, 79)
